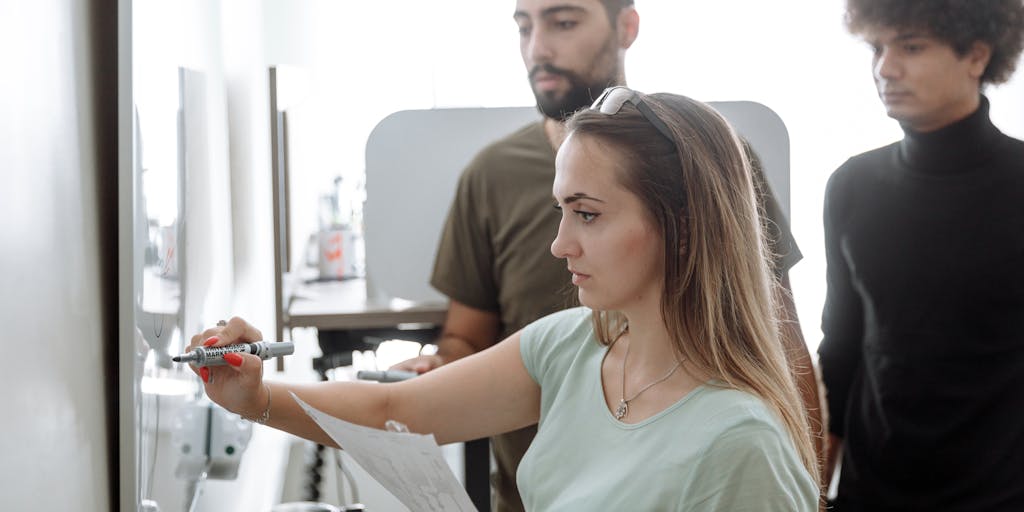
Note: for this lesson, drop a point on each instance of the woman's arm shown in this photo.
(485, 394)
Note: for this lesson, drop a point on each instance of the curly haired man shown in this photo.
(923, 349)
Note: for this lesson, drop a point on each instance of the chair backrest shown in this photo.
(414, 159)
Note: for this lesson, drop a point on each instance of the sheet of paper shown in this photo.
(410, 466)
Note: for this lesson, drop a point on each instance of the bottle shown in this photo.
(341, 253)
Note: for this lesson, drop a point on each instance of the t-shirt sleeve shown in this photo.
(548, 347)
(463, 265)
(540, 343)
(751, 468)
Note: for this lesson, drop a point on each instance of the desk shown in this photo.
(346, 321)
(340, 305)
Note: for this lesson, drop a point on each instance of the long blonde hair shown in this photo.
(718, 303)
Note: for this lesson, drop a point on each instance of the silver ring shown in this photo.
(221, 323)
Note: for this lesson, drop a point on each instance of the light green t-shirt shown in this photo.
(715, 449)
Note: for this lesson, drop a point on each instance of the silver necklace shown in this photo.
(623, 409)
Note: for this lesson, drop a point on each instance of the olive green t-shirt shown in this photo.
(494, 255)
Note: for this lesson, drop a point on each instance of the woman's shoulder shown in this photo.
(747, 447)
(550, 344)
(739, 425)
(728, 409)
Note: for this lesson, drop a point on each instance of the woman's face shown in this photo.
(613, 250)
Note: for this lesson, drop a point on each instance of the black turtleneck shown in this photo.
(923, 354)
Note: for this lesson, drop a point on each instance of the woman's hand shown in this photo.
(236, 386)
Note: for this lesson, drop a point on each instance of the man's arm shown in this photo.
(467, 330)
(800, 362)
(842, 318)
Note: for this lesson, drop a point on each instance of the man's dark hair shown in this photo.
(612, 7)
(959, 23)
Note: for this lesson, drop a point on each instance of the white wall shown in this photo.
(245, 76)
(366, 60)
(360, 62)
(54, 433)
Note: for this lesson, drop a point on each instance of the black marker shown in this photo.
(214, 356)
(386, 375)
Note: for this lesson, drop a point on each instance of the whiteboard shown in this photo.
(178, 169)
(414, 159)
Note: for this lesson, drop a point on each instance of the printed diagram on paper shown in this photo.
(410, 466)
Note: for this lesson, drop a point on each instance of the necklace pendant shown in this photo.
(622, 410)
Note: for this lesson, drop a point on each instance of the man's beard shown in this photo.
(581, 94)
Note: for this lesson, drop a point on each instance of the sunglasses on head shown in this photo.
(611, 100)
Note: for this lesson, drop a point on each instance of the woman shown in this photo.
(667, 390)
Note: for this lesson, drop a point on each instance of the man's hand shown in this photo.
(420, 364)
(467, 331)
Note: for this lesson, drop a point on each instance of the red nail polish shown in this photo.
(204, 372)
(211, 341)
(233, 359)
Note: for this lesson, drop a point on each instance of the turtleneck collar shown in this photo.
(952, 149)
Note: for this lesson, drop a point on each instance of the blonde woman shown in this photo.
(667, 389)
